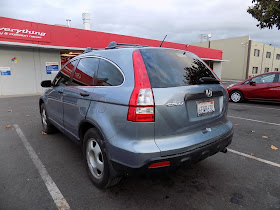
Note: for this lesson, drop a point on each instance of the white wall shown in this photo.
(235, 50)
(28, 72)
(217, 68)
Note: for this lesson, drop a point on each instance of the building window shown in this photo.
(277, 56)
(255, 70)
(257, 53)
(268, 54)
(276, 69)
(266, 69)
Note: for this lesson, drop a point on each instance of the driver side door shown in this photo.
(262, 87)
(56, 94)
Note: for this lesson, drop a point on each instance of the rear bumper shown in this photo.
(191, 156)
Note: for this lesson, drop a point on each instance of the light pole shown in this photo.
(208, 37)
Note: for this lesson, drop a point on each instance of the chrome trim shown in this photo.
(175, 104)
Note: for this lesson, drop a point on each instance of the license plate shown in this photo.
(205, 108)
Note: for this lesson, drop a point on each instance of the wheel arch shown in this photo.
(85, 125)
(237, 90)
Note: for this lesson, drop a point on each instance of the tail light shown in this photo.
(141, 103)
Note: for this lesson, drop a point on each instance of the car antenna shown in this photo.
(162, 41)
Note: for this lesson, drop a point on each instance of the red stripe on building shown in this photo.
(19, 31)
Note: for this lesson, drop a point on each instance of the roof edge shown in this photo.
(18, 44)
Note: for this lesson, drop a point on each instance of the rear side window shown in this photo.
(172, 68)
(108, 74)
(85, 72)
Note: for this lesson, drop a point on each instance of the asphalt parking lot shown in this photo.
(247, 177)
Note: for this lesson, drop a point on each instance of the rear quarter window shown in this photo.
(108, 74)
(172, 68)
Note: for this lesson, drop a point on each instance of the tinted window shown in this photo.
(85, 72)
(266, 78)
(63, 77)
(108, 74)
(172, 68)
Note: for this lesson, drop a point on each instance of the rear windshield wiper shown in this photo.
(208, 80)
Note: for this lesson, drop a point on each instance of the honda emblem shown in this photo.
(208, 93)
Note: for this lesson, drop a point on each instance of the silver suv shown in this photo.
(137, 109)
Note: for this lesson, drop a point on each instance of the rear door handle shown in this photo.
(84, 94)
(60, 91)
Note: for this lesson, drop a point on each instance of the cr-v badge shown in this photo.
(175, 104)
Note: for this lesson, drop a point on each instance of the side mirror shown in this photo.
(252, 83)
(46, 83)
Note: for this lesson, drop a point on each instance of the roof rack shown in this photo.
(89, 49)
(114, 44)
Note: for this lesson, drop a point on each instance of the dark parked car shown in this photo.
(136, 109)
(262, 87)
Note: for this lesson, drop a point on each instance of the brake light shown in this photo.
(141, 103)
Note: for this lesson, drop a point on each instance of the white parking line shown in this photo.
(259, 121)
(256, 106)
(255, 158)
(58, 198)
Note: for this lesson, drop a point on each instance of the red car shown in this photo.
(262, 87)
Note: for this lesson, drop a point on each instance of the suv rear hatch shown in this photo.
(190, 102)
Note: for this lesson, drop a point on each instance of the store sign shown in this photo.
(26, 34)
(51, 67)
(5, 71)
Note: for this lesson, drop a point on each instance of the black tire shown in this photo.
(236, 96)
(96, 160)
(47, 126)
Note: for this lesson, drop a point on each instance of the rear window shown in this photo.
(172, 68)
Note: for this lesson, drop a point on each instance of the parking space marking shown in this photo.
(270, 123)
(58, 198)
(255, 158)
(260, 107)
